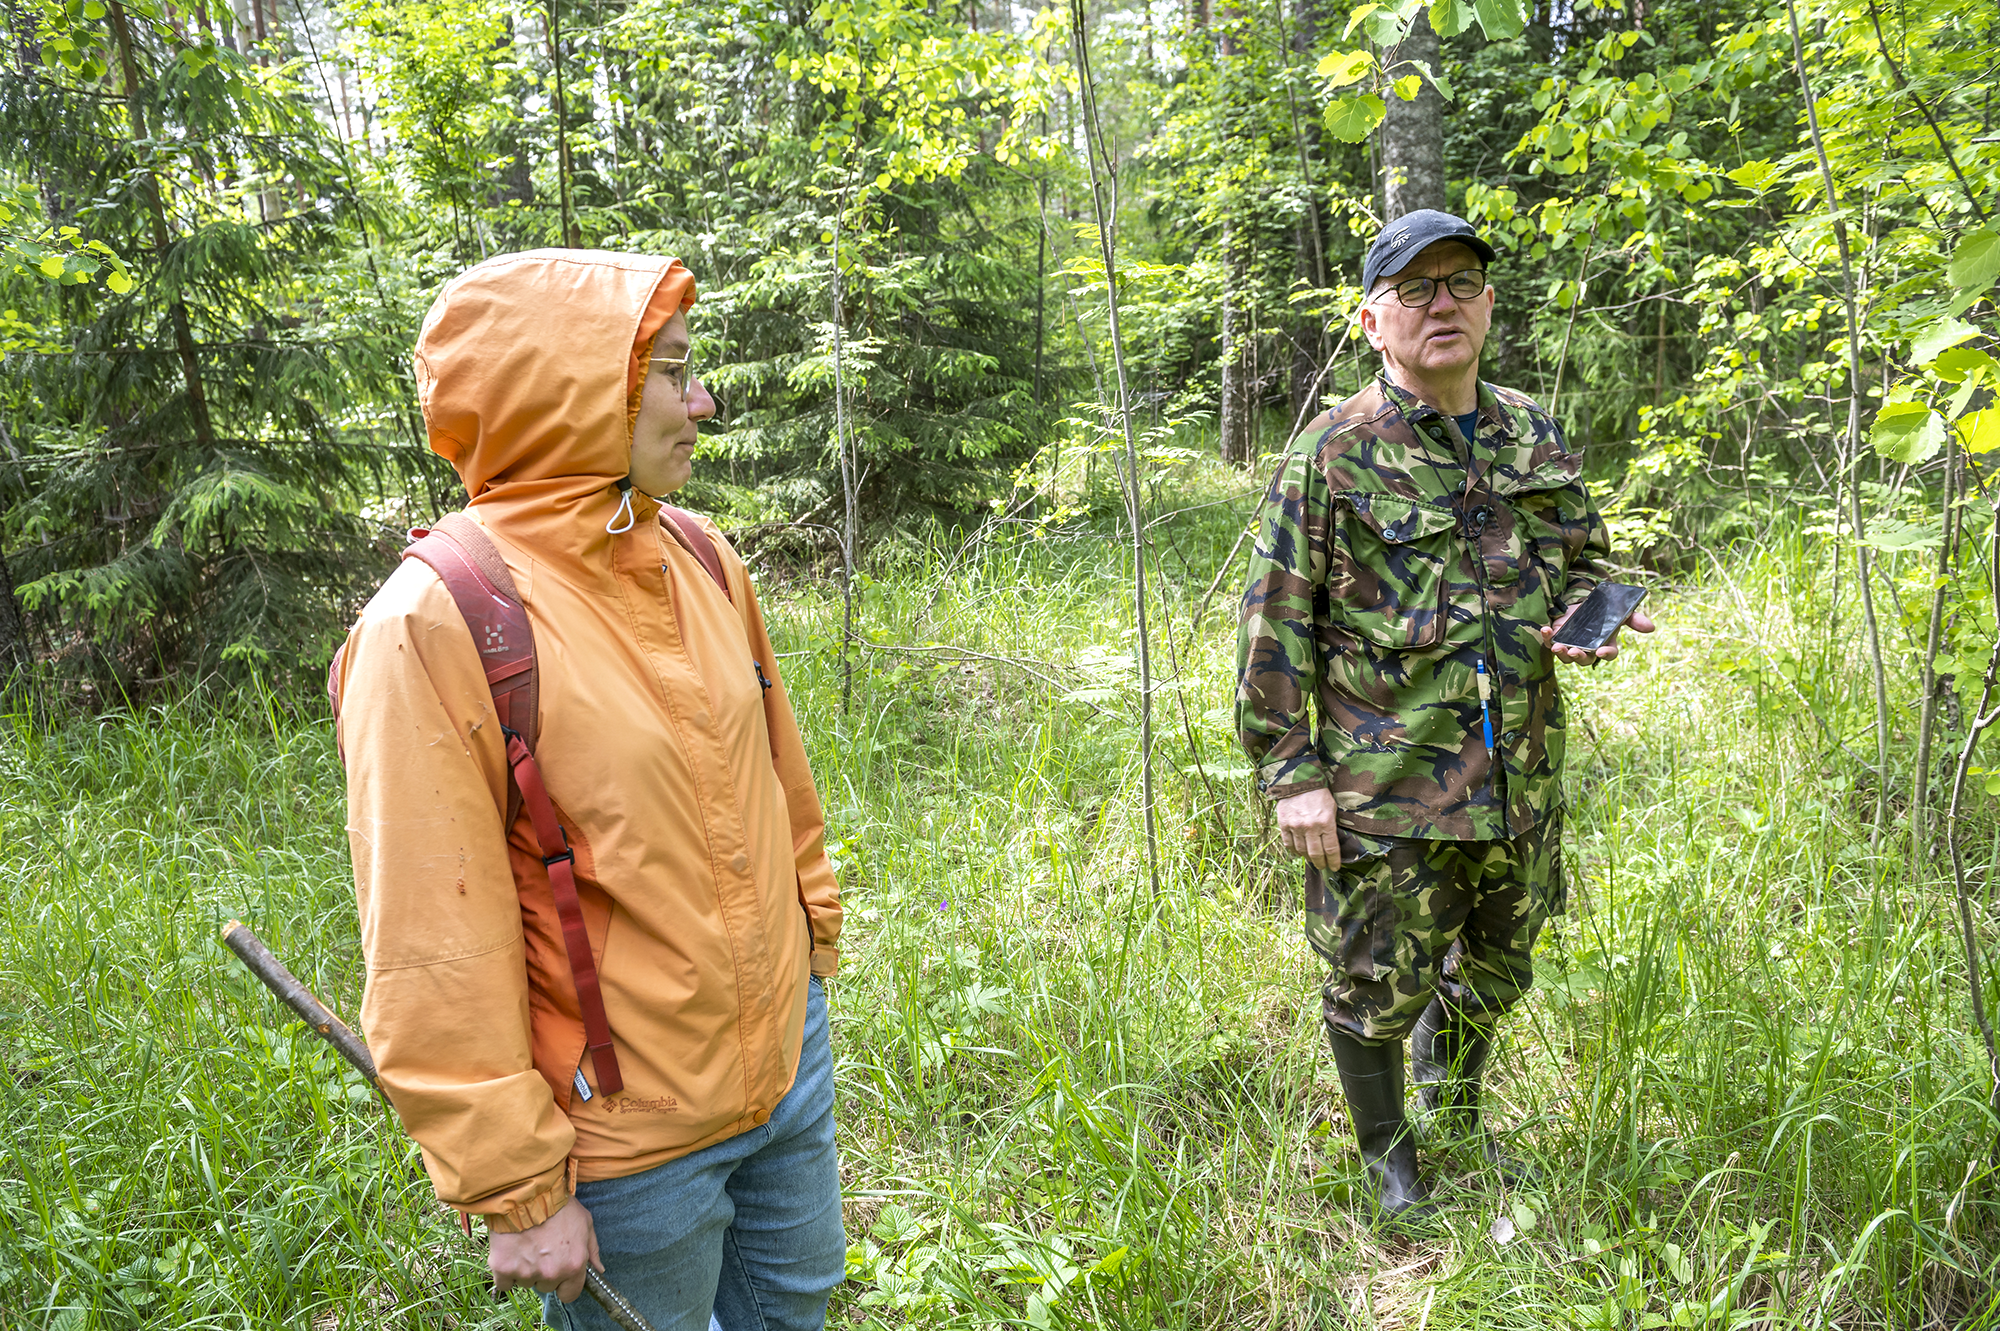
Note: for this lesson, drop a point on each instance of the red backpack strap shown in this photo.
(686, 528)
(560, 861)
(477, 578)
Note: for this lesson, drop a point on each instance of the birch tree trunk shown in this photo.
(1412, 133)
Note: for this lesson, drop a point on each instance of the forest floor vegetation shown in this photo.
(1747, 1074)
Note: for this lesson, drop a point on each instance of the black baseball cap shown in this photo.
(1405, 238)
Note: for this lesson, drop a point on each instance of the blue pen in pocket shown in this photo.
(1485, 704)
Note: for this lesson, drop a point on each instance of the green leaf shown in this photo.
(1450, 17)
(1350, 118)
(1111, 1261)
(1386, 27)
(1341, 68)
(1980, 432)
(1754, 176)
(1907, 432)
(1976, 261)
(1500, 19)
(1355, 19)
(1954, 365)
(1963, 397)
(1895, 534)
(1409, 86)
(118, 282)
(1925, 346)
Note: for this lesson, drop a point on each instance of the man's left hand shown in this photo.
(1637, 622)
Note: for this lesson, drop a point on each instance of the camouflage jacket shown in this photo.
(1365, 598)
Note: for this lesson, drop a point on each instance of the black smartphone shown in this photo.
(1607, 607)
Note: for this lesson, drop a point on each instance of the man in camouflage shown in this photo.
(1422, 541)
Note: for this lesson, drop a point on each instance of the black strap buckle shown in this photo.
(564, 854)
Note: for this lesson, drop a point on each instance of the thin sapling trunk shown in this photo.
(1983, 718)
(847, 483)
(1864, 564)
(1103, 183)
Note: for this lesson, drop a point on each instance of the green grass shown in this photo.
(1747, 1074)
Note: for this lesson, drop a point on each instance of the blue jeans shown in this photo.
(747, 1230)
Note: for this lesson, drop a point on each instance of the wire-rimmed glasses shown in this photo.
(678, 367)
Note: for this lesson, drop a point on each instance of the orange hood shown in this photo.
(526, 366)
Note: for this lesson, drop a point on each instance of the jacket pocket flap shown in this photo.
(1553, 474)
(1398, 520)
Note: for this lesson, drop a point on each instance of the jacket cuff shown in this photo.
(826, 960)
(519, 1213)
(1294, 776)
(1577, 591)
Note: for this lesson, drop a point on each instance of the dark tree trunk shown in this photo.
(1236, 407)
(1235, 410)
(13, 625)
(1305, 351)
(1413, 131)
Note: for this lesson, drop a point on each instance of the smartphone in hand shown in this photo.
(1608, 606)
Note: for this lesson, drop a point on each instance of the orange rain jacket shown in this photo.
(681, 781)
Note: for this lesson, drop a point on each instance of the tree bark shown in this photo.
(1234, 411)
(1234, 416)
(13, 626)
(1412, 133)
(572, 234)
(514, 182)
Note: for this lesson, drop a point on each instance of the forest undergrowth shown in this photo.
(1748, 1074)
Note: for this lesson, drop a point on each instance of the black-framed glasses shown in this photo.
(682, 373)
(1419, 292)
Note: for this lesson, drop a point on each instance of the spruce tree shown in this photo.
(184, 455)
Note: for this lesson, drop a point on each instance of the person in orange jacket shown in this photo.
(557, 383)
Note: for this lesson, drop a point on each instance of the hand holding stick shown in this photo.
(294, 995)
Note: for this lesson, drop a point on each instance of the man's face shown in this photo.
(1438, 341)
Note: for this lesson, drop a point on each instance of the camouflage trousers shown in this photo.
(1405, 918)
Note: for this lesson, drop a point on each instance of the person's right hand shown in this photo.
(1308, 825)
(549, 1257)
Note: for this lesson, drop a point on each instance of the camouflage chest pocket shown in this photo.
(1552, 518)
(1387, 577)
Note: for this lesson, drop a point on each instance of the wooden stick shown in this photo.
(294, 995)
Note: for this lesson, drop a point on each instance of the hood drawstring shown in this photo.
(624, 509)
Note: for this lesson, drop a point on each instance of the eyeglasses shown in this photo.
(1419, 292)
(677, 366)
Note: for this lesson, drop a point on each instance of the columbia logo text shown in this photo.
(643, 1104)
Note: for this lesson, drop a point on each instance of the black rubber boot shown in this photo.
(1372, 1077)
(1448, 1053)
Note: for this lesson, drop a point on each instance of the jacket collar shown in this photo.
(1492, 412)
